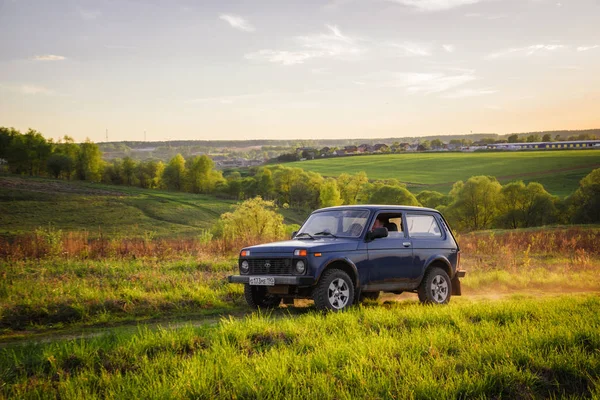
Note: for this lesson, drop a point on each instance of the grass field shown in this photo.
(518, 348)
(115, 211)
(559, 171)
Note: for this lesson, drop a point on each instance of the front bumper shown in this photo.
(279, 280)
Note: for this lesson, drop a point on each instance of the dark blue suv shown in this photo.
(342, 255)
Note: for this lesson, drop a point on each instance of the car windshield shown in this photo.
(335, 223)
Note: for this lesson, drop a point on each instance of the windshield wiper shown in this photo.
(326, 234)
(304, 233)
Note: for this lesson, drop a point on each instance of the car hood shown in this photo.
(325, 244)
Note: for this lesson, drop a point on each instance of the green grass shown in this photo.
(438, 171)
(517, 348)
(28, 203)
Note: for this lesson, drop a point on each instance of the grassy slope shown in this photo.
(439, 170)
(27, 203)
(519, 348)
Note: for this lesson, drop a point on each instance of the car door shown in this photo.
(390, 259)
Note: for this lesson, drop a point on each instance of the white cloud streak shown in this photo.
(586, 48)
(429, 83)
(49, 57)
(449, 48)
(526, 51)
(411, 49)
(435, 5)
(332, 44)
(237, 22)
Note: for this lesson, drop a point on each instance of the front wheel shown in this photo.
(335, 291)
(436, 287)
(259, 297)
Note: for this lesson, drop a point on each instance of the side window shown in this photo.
(423, 226)
(392, 222)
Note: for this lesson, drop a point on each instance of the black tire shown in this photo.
(373, 296)
(259, 297)
(334, 292)
(436, 287)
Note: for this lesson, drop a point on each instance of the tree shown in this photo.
(265, 183)
(351, 186)
(149, 174)
(330, 194)
(533, 138)
(513, 138)
(129, 169)
(584, 204)
(474, 204)
(58, 164)
(174, 173)
(547, 138)
(523, 206)
(395, 195)
(432, 199)
(251, 221)
(89, 162)
(437, 144)
(200, 177)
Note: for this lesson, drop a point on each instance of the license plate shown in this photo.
(259, 281)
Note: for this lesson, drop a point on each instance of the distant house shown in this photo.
(350, 149)
(364, 148)
(381, 147)
(325, 150)
(340, 152)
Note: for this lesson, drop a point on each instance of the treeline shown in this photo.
(479, 203)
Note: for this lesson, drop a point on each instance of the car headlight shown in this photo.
(244, 266)
(300, 267)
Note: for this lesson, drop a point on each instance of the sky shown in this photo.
(297, 69)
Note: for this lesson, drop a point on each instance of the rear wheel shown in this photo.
(335, 291)
(258, 297)
(436, 287)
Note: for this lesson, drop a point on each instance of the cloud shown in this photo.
(237, 22)
(411, 49)
(449, 48)
(332, 44)
(435, 5)
(34, 89)
(526, 51)
(462, 93)
(586, 48)
(49, 57)
(89, 15)
(428, 83)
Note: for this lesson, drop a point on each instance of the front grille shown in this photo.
(270, 266)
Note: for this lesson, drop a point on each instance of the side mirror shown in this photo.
(294, 234)
(377, 233)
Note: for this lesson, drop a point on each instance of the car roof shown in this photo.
(377, 207)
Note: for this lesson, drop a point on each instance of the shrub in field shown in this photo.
(475, 204)
(252, 220)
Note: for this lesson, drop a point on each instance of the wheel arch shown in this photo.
(345, 265)
(439, 262)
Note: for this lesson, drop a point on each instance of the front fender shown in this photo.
(346, 261)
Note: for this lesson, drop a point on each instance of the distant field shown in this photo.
(29, 203)
(559, 171)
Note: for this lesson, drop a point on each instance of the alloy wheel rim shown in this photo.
(439, 289)
(338, 293)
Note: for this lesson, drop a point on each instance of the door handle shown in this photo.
(406, 244)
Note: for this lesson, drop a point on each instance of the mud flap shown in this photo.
(456, 286)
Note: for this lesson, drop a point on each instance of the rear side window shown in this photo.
(423, 226)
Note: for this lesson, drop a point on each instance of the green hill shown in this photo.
(29, 203)
(559, 171)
